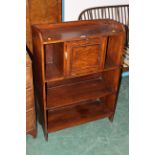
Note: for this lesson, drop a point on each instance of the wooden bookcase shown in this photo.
(77, 71)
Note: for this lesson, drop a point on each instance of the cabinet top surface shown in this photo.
(77, 30)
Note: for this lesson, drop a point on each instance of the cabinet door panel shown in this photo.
(82, 57)
(85, 56)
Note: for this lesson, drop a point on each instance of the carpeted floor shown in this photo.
(95, 138)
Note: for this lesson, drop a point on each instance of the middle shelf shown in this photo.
(70, 93)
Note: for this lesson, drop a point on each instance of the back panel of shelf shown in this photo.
(54, 60)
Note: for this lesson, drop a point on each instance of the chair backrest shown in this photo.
(119, 13)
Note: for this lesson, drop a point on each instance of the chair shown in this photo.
(119, 13)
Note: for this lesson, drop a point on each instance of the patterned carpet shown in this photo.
(96, 138)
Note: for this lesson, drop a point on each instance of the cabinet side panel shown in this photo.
(39, 77)
(111, 102)
(112, 78)
(28, 28)
(115, 49)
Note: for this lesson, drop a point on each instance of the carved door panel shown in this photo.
(85, 56)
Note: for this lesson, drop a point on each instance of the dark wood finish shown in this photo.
(41, 12)
(40, 78)
(119, 13)
(73, 31)
(80, 55)
(77, 114)
(30, 105)
(28, 76)
(29, 98)
(54, 62)
(76, 92)
(77, 71)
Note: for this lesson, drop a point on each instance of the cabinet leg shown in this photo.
(34, 133)
(46, 136)
(111, 118)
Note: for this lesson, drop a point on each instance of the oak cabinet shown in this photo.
(77, 71)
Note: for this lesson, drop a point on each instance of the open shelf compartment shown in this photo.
(75, 92)
(77, 114)
(54, 58)
(71, 91)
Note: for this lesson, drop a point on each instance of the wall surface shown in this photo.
(72, 8)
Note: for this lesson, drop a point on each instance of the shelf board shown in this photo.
(75, 115)
(76, 92)
(53, 73)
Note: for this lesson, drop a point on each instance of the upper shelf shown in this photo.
(78, 30)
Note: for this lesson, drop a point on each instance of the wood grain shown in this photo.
(84, 112)
(76, 92)
(30, 104)
(81, 86)
(41, 12)
(80, 54)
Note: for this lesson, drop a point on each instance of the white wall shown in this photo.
(72, 8)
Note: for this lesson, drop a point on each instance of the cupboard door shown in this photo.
(85, 56)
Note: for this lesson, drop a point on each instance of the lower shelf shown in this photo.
(78, 114)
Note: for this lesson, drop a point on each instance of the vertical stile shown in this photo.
(122, 15)
(102, 13)
(91, 16)
(128, 15)
(109, 13)
(84, 16)
(98, 13)
(105, 12)
(125, 15)
(118, 14)
(95, 13)
(87, 15)
(112, 10)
